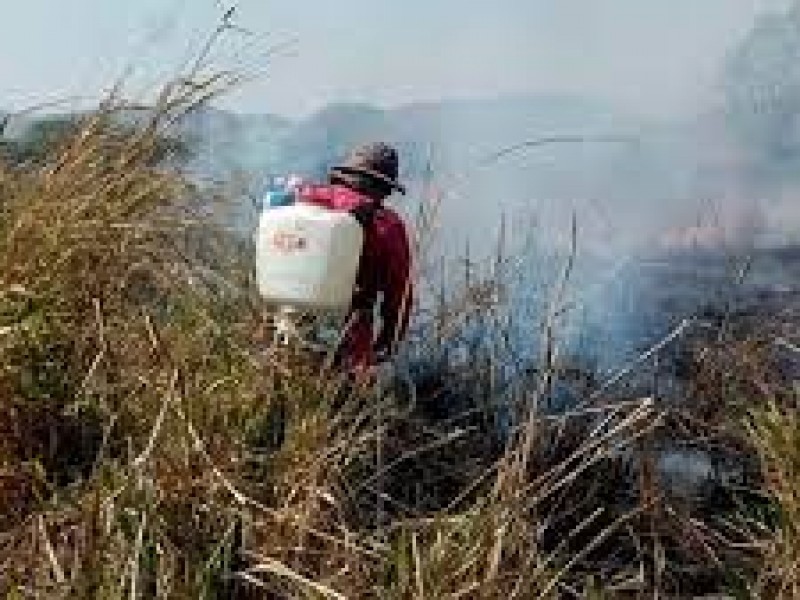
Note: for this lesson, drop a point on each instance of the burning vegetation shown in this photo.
(155, 444)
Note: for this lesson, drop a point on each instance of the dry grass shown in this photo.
(139, 403)
(775, 432)
(142, 452)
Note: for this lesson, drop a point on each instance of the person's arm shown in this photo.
(398, 289)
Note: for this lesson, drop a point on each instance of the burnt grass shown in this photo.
(689, 478)
(685, 480)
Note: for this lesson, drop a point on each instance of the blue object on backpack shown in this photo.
(278, 194)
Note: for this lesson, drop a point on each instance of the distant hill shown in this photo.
(457, 136)
(457, 131)
(15, 125)
(656, 176)
(226, 142)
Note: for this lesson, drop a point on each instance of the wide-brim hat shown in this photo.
(378, 161)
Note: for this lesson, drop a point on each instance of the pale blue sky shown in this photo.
(658, 57)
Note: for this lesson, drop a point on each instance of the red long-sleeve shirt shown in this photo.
(384, 270)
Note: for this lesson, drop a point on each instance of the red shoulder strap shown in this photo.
(316, 194)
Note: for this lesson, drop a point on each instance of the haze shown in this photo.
(654, 58)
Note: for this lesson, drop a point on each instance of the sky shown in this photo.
(653, 57)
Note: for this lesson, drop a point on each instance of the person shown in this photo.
(360, 185)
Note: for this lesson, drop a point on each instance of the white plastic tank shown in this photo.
(307, 257)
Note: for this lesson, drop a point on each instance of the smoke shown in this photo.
(675, 145)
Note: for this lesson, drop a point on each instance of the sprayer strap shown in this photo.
(365, 213)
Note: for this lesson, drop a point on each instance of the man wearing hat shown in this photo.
(360, 185)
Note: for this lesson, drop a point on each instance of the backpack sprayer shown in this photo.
(307, 259)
